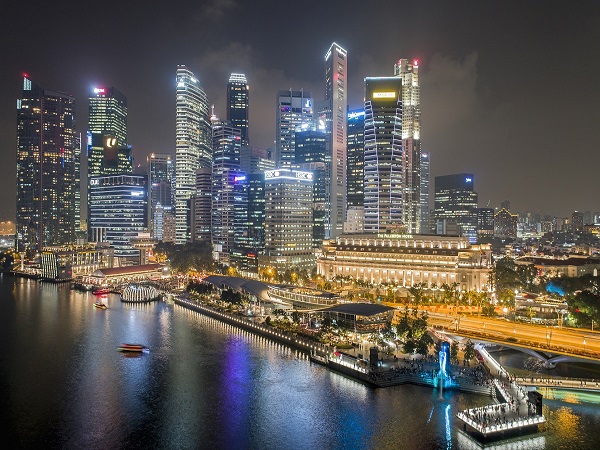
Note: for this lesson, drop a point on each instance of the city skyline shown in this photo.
(487, 90)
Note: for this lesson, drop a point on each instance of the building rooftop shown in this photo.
(358, 309)
(129, 270)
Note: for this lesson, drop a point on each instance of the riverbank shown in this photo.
(387, 372)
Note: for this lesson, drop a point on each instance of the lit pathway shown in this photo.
(516, 412)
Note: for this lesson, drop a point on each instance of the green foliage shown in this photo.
(454, 351)
(469, 350)
(585, 307)
(190, 256)
(417, 291)
(6, 261)
(230, 296)
(412, 330)
(200, 287)
(488, 310)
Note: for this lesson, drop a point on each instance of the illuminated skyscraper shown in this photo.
(226, 168)
(336, 68)
(107, 150)
(118, 212)
(193, 149)
(288, 223)
(238, 104)
(424, 196)
(456, 204)
(383, 154)
(411, 143)
(46, 182)
(108, 114)
(293, 109)
(356, 159)
(161, 180)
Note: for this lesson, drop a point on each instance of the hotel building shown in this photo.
(407, 259)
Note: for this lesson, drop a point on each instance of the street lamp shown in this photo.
(583, 345)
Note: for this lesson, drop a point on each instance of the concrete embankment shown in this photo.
(298, 342)
(324, 355)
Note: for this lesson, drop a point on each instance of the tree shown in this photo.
(417, 291)
(454, 351)
(412, 330)
(585, 307)
(469, 350)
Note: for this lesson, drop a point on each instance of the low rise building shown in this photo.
(407, 259)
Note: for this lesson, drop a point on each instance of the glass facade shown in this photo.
(288, 220)
(193, 146)
(383, 165)
(356, 158)
(456, 202)
(293, 109)
(225, 173)
(46, 179)
(408, 72)
(238, 104)
(118, 211)
(336, 69)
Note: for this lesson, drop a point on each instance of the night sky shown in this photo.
(510, 89)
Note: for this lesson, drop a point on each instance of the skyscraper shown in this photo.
(118, 212)
(293, 109)
(355, 162)
(312, 155)
(288, 223)
(226, 168)
(238, 104)
(424, 195)
(46, 147)
(411, 143)
(193, 148)
(107, 150)
(108, 113)
(336, 67)
(456, 203)
(383, 153)
(161, 179)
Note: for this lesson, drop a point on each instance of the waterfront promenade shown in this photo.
(516, 414)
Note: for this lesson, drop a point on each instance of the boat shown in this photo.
(133, 348)
(101, 291)
(99, 305)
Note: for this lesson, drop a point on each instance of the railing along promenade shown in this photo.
(516, 415)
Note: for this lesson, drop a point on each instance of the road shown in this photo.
(571, 341)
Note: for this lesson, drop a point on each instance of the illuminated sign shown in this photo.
(136, 193)
(384, 95)
(94, 182)
(239, 178)
(394, 236)
(99, 90)
(416, 63)
(304, 175)
(356, 115)
(288, 174)
(111, 142)
(468, 180)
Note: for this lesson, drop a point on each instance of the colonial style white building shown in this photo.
(407, 259)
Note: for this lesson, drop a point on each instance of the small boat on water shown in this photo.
(99, 305)
(133, 348)
(101, 291)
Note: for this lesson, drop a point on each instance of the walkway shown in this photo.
(515, 414)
